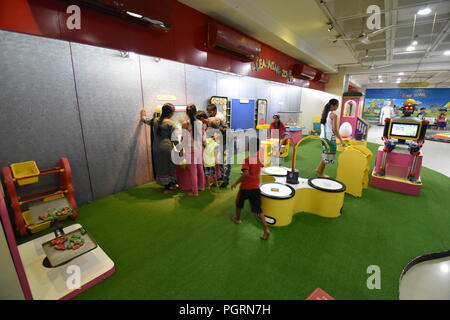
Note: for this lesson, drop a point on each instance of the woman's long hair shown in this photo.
(277, 124)
(326, 110)
(191, 112)
(167, 111)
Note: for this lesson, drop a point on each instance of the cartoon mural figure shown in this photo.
(441, 120)
(386, 112)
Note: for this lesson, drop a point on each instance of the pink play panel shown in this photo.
(319, 294)
(396, 186)
(296, 136)
(398, 163)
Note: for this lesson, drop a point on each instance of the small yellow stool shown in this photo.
(353, 169)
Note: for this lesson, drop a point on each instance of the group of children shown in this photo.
(214, 124)
(205, 172)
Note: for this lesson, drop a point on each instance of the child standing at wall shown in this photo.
(210, 154)
(249, 189)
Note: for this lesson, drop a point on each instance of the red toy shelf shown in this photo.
(65, 189)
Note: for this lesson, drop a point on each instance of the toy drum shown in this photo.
(326, 184)
(325, 197)
(277, 203)
(275, 171)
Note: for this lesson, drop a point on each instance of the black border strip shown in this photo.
(420, 259)
(278, 198)
(424, 258)
(327, 190)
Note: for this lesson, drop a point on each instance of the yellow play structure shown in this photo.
(271, 147)
(284, 194)
(353, 169)
(316, 126)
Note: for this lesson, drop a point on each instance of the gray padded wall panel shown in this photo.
(39, 116)
(293, 98)
(227, 86)
(109, 94)
(248, 88)
(201, 85)
(277, 99)
(162, 78)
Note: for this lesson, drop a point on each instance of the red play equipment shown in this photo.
(12, 180)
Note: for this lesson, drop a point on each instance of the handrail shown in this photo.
(294, 154)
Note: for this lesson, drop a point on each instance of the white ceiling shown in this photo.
(299, 29)
(390, 79)
(386, 53)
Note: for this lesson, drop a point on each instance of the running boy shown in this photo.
(249, 189)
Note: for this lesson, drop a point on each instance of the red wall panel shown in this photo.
(186, 42)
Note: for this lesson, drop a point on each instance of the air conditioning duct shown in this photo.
(226, 39)
(303, 71)
(322, 77)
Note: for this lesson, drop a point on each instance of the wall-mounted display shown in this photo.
(242, 114)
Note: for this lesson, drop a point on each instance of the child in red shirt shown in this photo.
(249, 189)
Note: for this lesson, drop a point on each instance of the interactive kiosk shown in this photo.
(399, 161)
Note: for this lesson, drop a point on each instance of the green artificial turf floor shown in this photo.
(178, 247)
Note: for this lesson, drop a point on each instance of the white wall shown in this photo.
(312, 103)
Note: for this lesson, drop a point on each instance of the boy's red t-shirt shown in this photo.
(253, 165)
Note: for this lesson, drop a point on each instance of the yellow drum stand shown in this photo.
(281, 201)
(351, 142)
(353, 169)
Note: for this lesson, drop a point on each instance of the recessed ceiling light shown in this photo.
(380, 81)
(379, 77)
(401, 73)
(424, 12)
(447, 53)
(414, 43)
(134, 14)
(398, 79)
(411, 48)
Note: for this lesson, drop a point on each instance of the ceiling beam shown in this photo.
(440, 37)
(323, 6)
(395, 8)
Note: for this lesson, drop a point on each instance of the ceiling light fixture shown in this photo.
(401, 73)
(381, 81)
(414, 43)
(379, 77)
(136, 15)
(424, 12)
(447, 53)
(411, 48)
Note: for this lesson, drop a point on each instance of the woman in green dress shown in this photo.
(162, 146)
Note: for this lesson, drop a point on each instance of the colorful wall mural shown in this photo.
(432, 99)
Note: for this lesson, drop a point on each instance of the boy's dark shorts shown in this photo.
(253, 195)
(210, 171)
